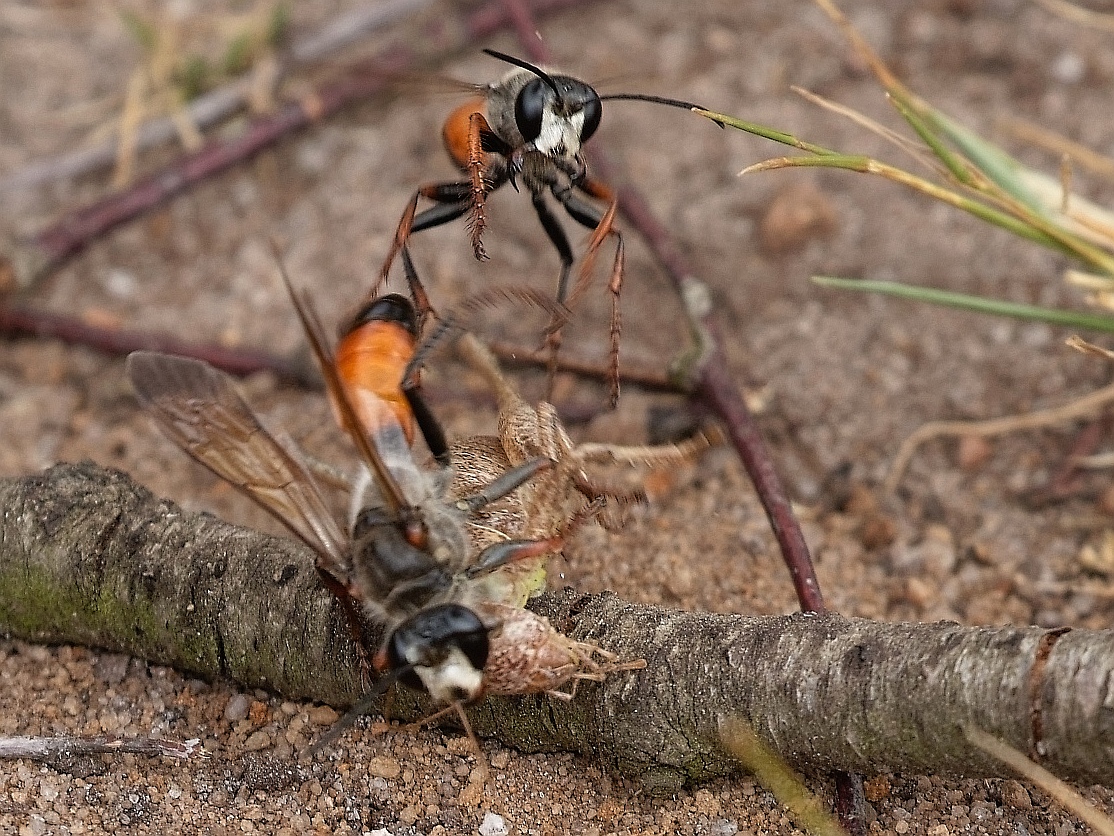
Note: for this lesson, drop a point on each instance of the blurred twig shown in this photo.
(19, 321)
(644, 377)
(216, 105)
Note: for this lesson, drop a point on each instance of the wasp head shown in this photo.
(556, 114)
(445, 649)
(557, 119)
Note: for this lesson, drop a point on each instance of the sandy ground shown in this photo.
(842, 378)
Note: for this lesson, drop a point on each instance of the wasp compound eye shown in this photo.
(593, 112)
(432, 637)
(529, 108)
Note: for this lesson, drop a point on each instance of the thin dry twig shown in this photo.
(53, 748)
(1058, 144)
(1079, 15)
(710, 378)
(19, 321)
(219, 104)
(644, 377)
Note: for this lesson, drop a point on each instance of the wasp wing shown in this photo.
(388, 487)
(201, 410)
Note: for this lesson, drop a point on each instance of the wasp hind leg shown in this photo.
(602, 224)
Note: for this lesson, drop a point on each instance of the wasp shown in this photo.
(407, 561)
(529, 128)
(379, 359)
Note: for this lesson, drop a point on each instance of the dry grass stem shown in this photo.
(1081, 407)
(1063, 794)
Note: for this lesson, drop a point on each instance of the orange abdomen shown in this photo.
(455, 131)
(371, 360)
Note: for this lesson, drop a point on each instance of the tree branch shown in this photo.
(89, 557)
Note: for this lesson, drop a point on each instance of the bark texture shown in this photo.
(89, 557)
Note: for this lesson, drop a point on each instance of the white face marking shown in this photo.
(560, 132)
(452, 678)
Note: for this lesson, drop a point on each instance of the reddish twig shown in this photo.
(712, 383)
(48, 250)
(18, 321)
(1066, 481)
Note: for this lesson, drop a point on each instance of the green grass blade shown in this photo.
(998, 166)
(979, 304)
(762, 131)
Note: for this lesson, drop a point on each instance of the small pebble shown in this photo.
(1016, 796)
(974, 452)
(876, 788)
(323, 715)
(383, 768)
(796, 215)
(111, 668)
(257, 741)
(493, 825)
(237, 708)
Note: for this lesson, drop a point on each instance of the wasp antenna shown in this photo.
(366, 703)
(526, 65)
(642, 97)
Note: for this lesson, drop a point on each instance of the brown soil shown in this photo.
(844, 378)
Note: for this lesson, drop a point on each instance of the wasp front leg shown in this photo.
(477, 169)
(483, 156)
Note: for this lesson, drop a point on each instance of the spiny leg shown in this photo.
(602, 225)
(651, 456)
(422, 306)
(452, 198)
(502, 554)
(477, 219)
(560, 241)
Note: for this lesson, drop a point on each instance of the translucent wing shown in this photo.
(389, 488)
(200, 409)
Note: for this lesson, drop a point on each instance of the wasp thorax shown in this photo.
(446, 648)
